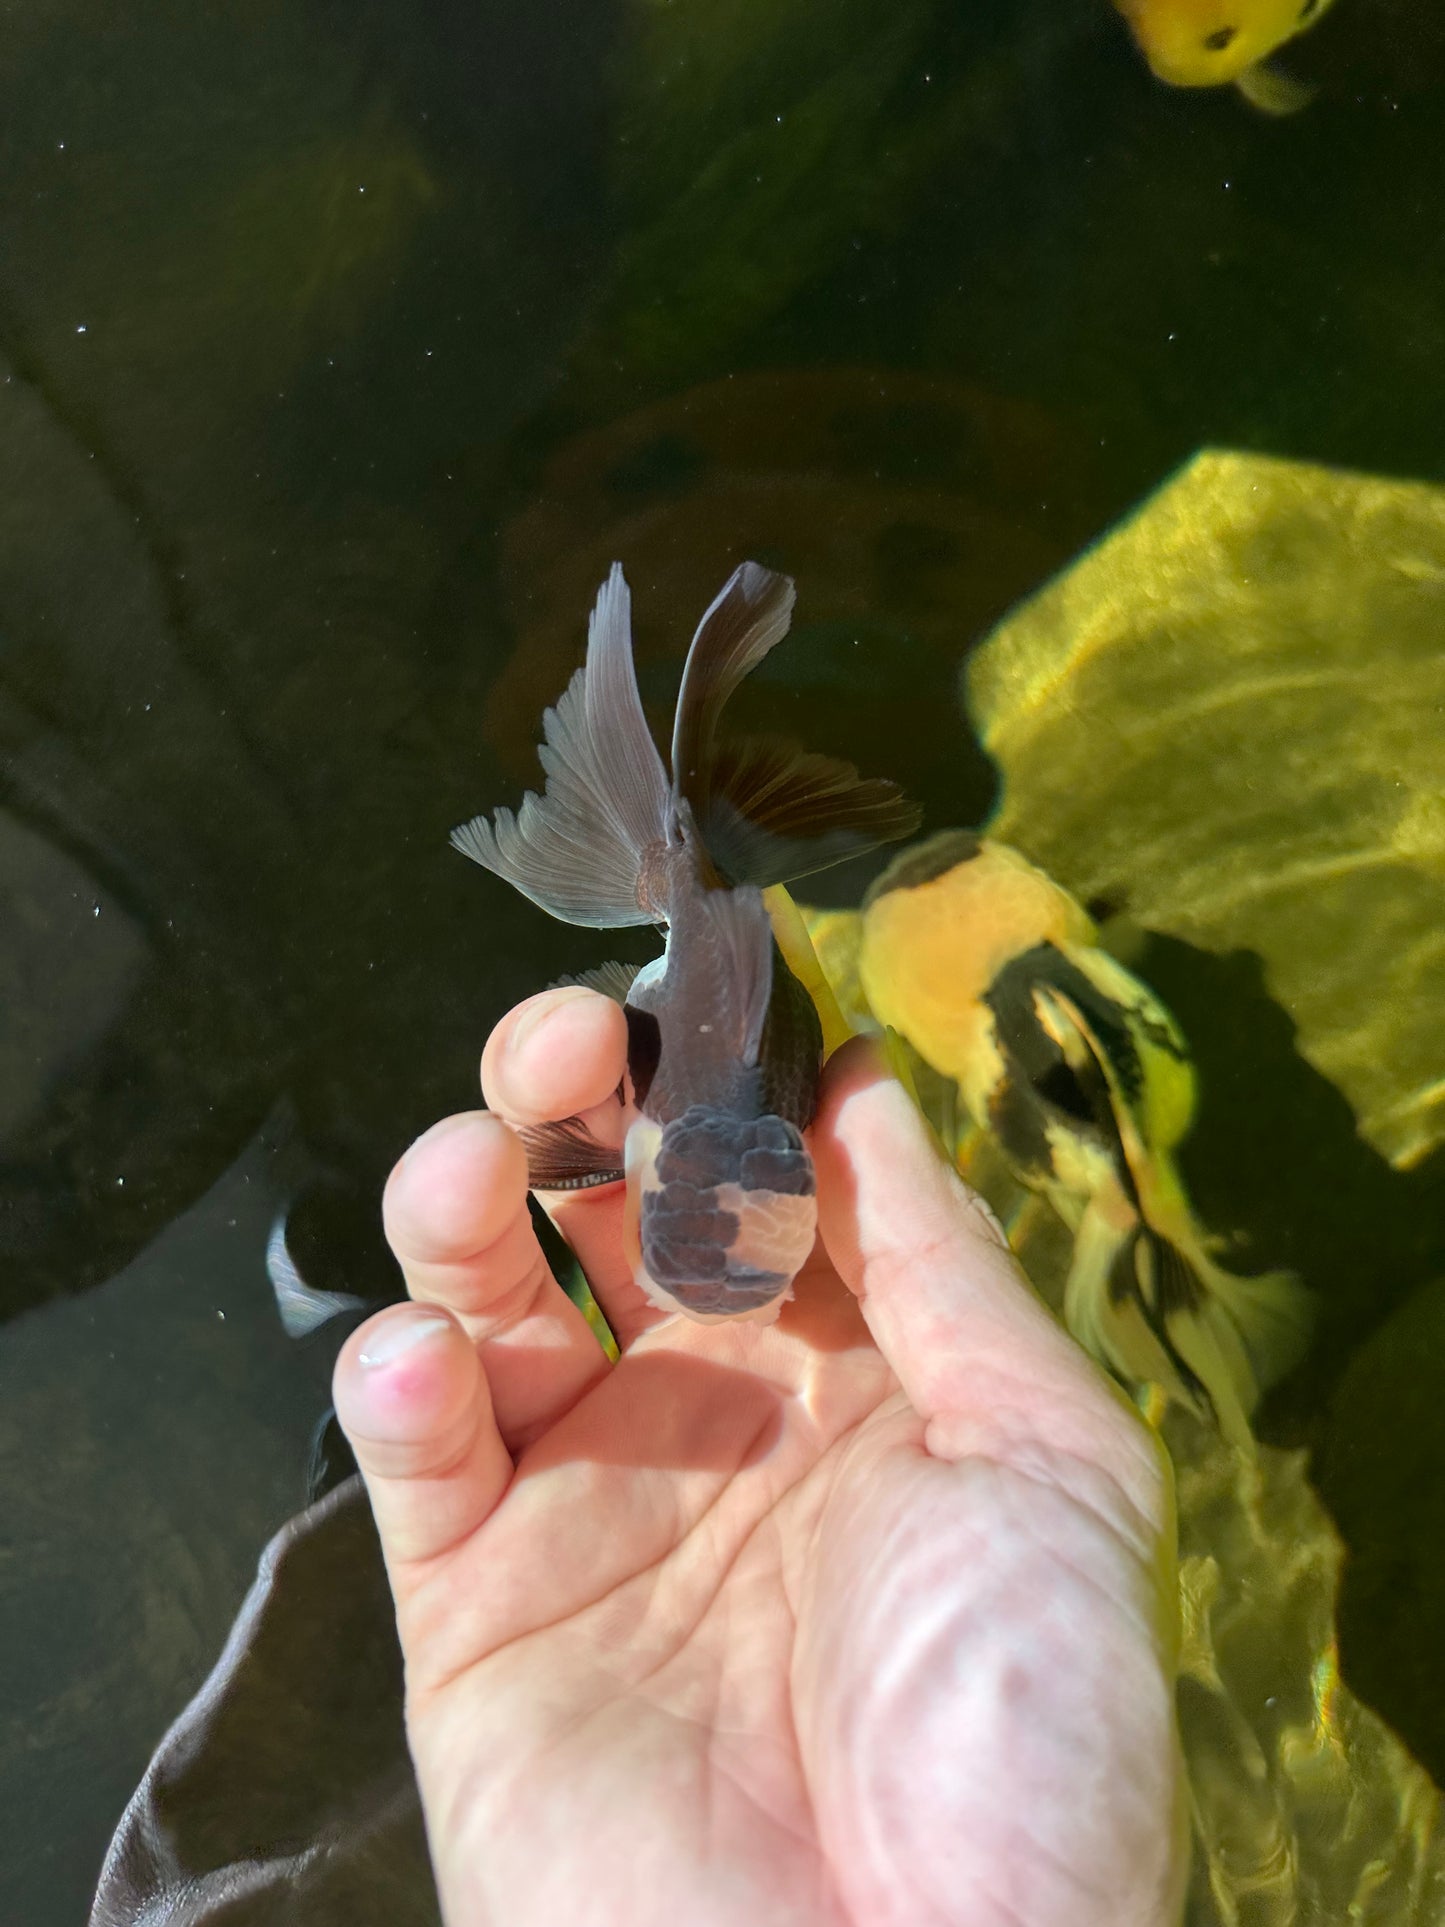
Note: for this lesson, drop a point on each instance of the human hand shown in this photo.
(865, 1616)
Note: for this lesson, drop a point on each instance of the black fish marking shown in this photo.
(792, 1048)
(1150, 1273)
(644, 1050)
(1077, 1088)
(1042, 1084)
(924, 863)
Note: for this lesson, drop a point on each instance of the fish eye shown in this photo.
(1221, 37)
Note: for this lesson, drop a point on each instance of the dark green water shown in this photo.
(343, 347)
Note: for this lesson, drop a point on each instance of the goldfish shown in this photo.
(995, 976)
(725, 1045)
(1216, 43)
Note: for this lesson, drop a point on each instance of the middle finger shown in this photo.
(456, 1217)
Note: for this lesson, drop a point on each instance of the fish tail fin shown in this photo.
(1272, 1314)
(766, 810)
(585, 850)
(1155, 1312)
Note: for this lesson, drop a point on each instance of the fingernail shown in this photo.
(399, 1335)
(545, 1007)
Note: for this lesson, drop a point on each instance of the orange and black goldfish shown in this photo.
(995, 976)
(724, 1044)
(1216, 43)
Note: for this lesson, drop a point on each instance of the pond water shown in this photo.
(342, 349)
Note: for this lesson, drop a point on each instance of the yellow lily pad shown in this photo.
(1229, 717)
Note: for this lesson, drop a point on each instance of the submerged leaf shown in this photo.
(1227, 716)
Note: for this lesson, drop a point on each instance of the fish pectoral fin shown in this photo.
(1272, 91)
(583, 850)
(732, 929)
(566, 1157)
(611, 979)
(776, 812)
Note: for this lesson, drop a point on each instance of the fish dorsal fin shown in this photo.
(767, 811)
(748, 617)
(744, 936)
(586, 849)
(719, 955)
(779, 812)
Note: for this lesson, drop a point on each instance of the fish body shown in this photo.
(995, 977)
(1216, 43)
(724, 1042)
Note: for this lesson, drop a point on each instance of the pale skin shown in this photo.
(863, 1617)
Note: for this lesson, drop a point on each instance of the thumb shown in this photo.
(413, 1400)
(978, 1354)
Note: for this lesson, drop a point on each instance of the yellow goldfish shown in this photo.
(1216, 43)
(995, 977)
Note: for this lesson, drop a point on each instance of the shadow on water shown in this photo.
(1274, 1156)
(1274, 1160)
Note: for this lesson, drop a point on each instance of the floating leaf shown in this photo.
(1229, 716)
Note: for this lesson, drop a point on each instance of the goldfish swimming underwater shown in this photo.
(724, 1045)
(1212, 43)
(995, 977)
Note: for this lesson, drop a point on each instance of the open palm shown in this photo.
(861, 1617)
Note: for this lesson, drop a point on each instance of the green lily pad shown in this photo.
(1229, 717)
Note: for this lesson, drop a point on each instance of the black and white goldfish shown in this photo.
(724, 1042)
(1216, 43)
(995, 976)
